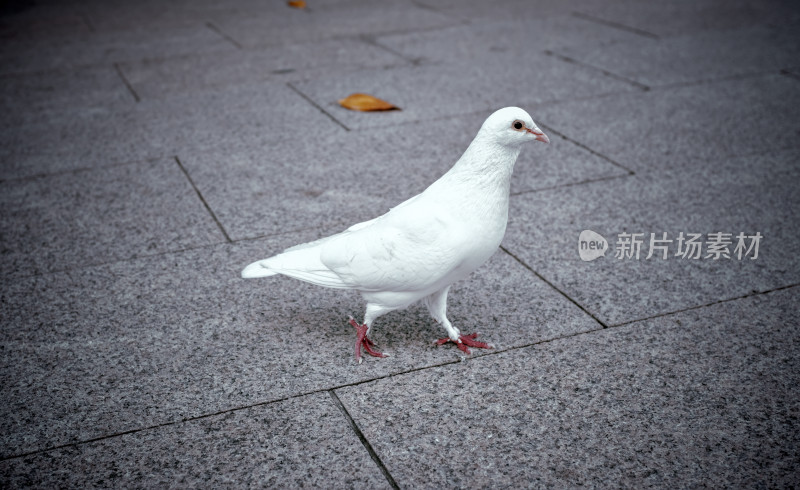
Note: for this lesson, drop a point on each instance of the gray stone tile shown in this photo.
(560, 164)
(121, 16)
(250, 116)
(461, 87)
(342, 178)
(746, 194)
(706, 397)
(519, 10)
(668, 127)
(695, 57)
(62, 91)
(296, 442)
(68, 220)
(687, 16)
(327, 20)
(26, 55)
(154, 78)
(102, 350)
(481, 39)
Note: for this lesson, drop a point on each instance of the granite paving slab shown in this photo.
(150, 150)
(121, 16)
(668, 128)
(252, 116)
(519, 10)
(337, 179)
(157, 77)
(749, 195)
(42, 53)
(350, 18)
(107, 349)
(695, 57)
(62, 91)
(87, 217)
(486, 38)
(102, 350)
(663, 19)
(296, 442)
(706, 397)
(461, 87)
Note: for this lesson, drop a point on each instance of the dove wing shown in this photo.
(363, 255)
(355, 227)
(407, 249)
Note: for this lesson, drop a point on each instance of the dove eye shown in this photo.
(518, 125)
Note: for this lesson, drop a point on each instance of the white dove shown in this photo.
(420, 247)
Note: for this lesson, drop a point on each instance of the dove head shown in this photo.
(512, 126)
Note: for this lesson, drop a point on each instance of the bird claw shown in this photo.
(464, 341)
(363, 341)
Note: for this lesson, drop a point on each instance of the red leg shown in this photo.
(363, 341)
(464, 341)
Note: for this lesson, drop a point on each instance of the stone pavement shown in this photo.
(151, 149)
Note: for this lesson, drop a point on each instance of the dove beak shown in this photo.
(540, 136)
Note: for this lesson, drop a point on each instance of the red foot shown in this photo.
(363, 341)
(464, 341)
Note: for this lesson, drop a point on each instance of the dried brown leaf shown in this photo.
(298, 4)
(366, 102)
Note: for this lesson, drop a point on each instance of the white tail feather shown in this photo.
(301, 263)
(256, 269)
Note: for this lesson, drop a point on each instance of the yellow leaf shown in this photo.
(298, 4)
(365, 102)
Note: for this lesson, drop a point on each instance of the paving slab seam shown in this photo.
(118, 261)
(598, 96)
(127, 83)
(789, 74)
(564, 294)
(77, 170)
(425, 6)
(177, 251)
(370, 39)
(585, 332)
(351, 36)
(460, 359)
(690, 308)
(615, 25)
(398, 32)
(404, 372)
(482, 113)
(203, 200)
(754, 293)
(709, 81)
(363, 439)
(570, 184)
(216, 30)
(243, 407)
(567, 59)
(43, 71)
(596, 153)
(319, 108)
